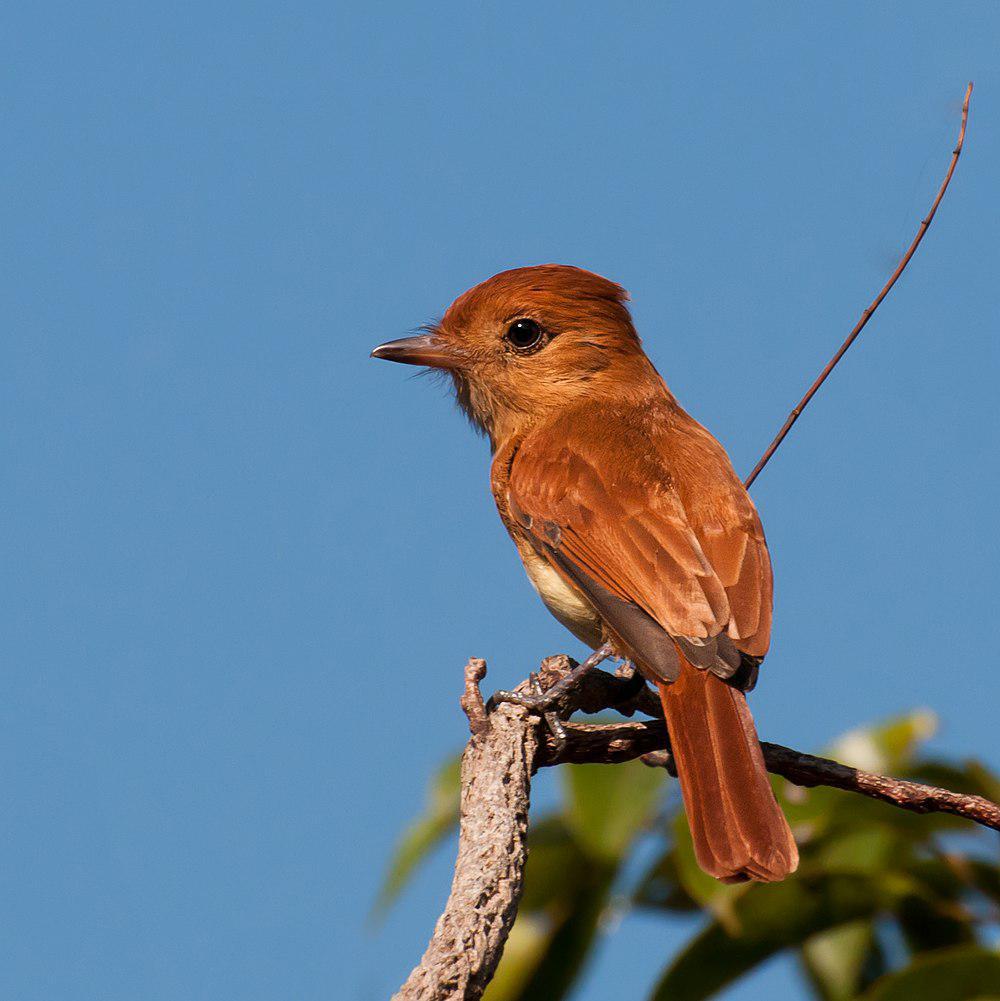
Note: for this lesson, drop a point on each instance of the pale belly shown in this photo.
(577, 615)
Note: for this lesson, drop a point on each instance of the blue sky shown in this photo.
(244, 565)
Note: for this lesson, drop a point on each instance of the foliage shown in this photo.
(886, 904)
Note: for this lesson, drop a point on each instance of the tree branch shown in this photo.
(505, 749)
(469, 937)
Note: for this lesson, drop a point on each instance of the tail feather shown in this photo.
(738, 829)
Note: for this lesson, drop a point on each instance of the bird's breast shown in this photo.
(562, 600)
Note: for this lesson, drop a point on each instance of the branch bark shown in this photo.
(505, 749)
(469, 937)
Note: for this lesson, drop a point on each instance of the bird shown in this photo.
(632, 525)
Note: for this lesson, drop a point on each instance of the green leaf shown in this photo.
(554, 861)
(941, 877)
(556, 941)
(570, 874)
(717, 897)
(810, 812)
(865, 850)
(439, 818)
(660, 887)
(933, 924)
(946, 975)
(526, 945)
(835, 961)
(570, 945)
(934, 914)
(769, 918)
(976, 873)
(609, 804)
(888, 746)
(987, 781)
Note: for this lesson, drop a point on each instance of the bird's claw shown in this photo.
(538, 702)
(552, 720)
(547, 703)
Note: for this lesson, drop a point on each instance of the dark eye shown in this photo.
(525, 334)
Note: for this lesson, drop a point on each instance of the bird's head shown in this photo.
(529, 342)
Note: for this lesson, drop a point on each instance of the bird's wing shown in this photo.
(612, 519)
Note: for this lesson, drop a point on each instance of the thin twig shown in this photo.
(867, 314)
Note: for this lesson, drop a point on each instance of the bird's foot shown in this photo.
(542, 701)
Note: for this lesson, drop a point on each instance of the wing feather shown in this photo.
(699, 570)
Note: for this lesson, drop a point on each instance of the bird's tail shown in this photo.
(738, 829)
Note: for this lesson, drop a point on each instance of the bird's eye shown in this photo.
(525, 335)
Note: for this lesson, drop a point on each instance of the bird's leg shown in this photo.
(542, 702)
(552, 720)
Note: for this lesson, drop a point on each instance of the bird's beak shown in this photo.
(424, 349)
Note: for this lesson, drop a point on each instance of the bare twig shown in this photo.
(497, 766)
(867, 314)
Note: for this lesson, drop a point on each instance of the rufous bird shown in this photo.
(632, 525)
